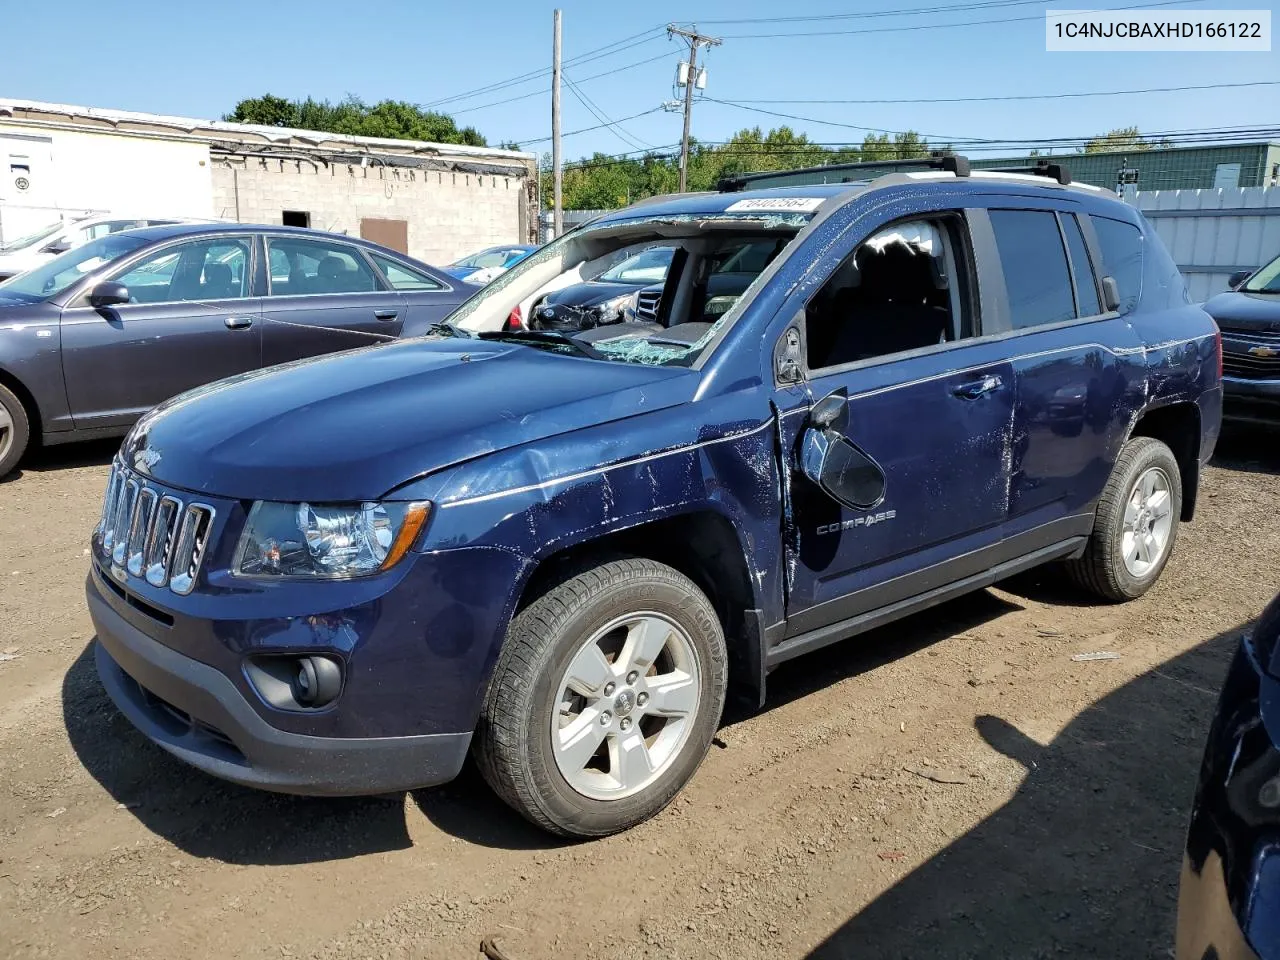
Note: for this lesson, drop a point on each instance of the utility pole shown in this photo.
(695, 40)
(557, 174)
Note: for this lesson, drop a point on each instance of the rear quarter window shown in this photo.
(1121, 246)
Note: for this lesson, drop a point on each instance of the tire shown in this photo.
(15, 430)
(532, 712)
(1108, 566)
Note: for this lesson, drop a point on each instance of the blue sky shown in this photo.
(199, 59)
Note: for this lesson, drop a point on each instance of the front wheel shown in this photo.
(15, 430)
(1135, 525)
(605, 698)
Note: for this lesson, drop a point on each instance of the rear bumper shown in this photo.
(196, 713)
(1256, 401)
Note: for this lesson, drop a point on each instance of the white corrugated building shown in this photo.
(433, 201)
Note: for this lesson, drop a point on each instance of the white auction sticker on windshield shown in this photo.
(793, 204)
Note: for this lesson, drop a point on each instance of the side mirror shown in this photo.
(108, 293)
(58, 246)
(1238, 278)
(835, 464)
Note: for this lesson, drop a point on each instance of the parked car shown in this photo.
(100, 334)
(557, 551)
(1249, 316)
(1229, 901)
(488, 263)
(611, 297)
(41, 246)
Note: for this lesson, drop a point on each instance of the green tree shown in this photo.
(389, 119)
(1123, 138)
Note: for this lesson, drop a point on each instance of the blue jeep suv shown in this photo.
(557, 551)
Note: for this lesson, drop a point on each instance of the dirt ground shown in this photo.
(953, 785)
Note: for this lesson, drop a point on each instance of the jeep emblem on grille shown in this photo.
(145, 459)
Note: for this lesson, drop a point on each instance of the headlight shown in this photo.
(327, 540)
(611, 311)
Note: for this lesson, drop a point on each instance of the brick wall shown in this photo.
(449, 214)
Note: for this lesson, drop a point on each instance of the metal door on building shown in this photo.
(28, 200)
(390, 233)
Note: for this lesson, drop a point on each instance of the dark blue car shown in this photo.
(1229, 902)
(489, 262)
(559, 551)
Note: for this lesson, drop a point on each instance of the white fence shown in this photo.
(1213, 233)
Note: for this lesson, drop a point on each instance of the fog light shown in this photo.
(296, 682)
(317, 682)
(1269, 793)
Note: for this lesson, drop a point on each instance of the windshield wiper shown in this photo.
(549, 337)
(446, 329)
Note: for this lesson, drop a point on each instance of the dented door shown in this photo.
(939, 428)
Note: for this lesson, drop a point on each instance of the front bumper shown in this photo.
(1229, 901)
(1254, 401)
(195, 712)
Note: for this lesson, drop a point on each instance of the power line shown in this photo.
(608, 50)
(934, 26)
(1024, 96)
(872, 14)
(831, 123)
(595, 76)
(598, 126)
(599, 114)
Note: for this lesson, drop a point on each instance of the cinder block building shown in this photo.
(433, 201)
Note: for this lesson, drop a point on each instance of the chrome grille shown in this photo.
(647, 302)
(146, 533)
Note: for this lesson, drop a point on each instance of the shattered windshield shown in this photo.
(693, 274)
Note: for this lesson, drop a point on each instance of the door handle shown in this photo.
(386, 314)
(238, 323)
(978, 388)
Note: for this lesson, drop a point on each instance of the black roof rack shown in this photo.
(954, 163)
(1042, 168)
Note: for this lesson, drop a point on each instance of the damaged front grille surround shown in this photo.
(151, 535)
(647, 304)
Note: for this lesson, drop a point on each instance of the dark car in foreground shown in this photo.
(102, 333)
(1229, 902)
(1249, 317)
(559, 551)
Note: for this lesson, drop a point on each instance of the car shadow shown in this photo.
(1248, 448)
(91, 453)
(207, 817)
(1084, 860)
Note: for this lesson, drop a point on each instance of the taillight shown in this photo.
(514, 320)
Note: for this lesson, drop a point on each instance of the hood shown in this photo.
(1245, 311)
(354, 426)
(591, 292)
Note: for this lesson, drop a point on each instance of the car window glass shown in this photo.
(490, 258)
(402, 277)
(1035, 267)
(1266, 280)
(194, 271)
(1121, 245)
(303, 266)
(731, 271)
(892, 294)
(50, 279)
(649, 266)
(1087, 304)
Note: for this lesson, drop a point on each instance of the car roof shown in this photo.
(169, 231)
(712, 203)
